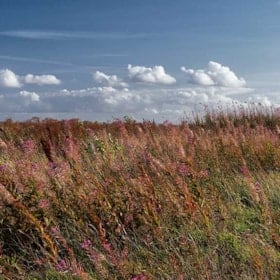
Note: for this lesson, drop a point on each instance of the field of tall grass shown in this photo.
(140, 201)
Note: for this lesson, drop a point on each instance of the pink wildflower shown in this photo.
(43, 204)
(3, 167)
(35, 166)
(244, 170)
(55, 230)
(86, 244)
(28, 146)
(190, 140)
(62, 265)
(139, 277)
(124, 253)
(107, 246)
(184, 169)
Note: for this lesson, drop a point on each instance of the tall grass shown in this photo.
(129, 200)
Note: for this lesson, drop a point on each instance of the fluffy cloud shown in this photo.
(9, 79)
(107, 103)
(164, 103)
(214, 74)
(31, 96)
(198, 77)
(219, 87)
(41, 79)
(155, 75)
(106, 80)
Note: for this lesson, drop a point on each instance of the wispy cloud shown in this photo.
(74, 67)
(66, 35)
(110, 55)
(34, 60)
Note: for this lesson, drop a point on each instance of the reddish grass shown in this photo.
(129, 200)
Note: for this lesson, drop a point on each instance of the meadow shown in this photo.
(141, 200)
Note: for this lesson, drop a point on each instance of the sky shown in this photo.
(149, 59)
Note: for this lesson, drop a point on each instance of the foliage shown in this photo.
(130, 200)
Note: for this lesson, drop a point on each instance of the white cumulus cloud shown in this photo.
(107, 80)
(215, 74)
(31, 96)
(158, 103)
(198, 77)
(9, 79)
(41, 79)
(155, 75)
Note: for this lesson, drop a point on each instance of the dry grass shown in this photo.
(128, 200)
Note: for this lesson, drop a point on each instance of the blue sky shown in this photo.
(70, 58)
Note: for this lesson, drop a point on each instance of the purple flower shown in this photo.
(28, 145)
(107, 246)
(62, 265)
(184, 169)
(44, 204)
(3, 167)
(244, 170)
(139, 277)
(86, 244)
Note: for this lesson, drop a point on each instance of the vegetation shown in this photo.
(139, 201)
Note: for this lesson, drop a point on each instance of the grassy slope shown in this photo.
(141, 201)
